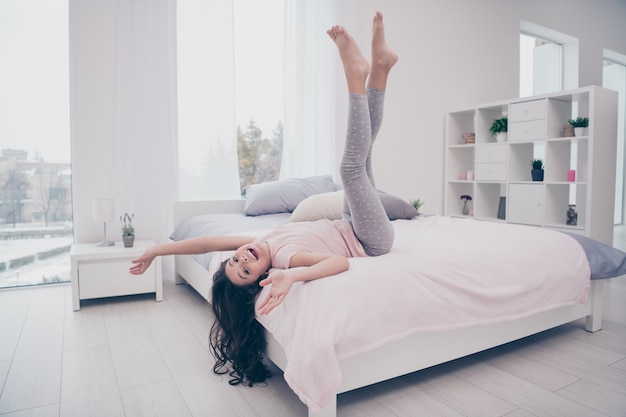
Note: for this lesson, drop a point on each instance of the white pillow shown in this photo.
(319, 206)
(330, 205)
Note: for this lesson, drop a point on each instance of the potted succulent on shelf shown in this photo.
(499, 128)
(537, 171)
(580, 125)
(128, 230)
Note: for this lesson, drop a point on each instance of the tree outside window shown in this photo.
(259, 157)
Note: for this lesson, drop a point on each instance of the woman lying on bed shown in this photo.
(322, 247)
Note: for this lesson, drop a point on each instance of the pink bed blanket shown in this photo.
(442, 273)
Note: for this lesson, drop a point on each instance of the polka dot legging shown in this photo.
(362, 205)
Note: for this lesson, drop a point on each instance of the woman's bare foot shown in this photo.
(383, 57)
(355, 65)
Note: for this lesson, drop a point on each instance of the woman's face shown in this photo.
(248, 263)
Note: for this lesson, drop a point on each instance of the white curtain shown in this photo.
(123, 113)
(309, 146)
(206, 100)
(145, 112)
(208, 33)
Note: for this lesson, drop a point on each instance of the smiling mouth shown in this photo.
(253, 253)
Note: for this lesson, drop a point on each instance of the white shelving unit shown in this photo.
(535, 130)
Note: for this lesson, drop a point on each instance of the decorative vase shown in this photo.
(501, 137)
(568, 130)
(536, 174)
(572, 216)
(465, 208)
(129, 241)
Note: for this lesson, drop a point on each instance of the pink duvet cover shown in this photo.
(442, 273)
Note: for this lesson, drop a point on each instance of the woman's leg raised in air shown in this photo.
(366, 212)
(383, 59)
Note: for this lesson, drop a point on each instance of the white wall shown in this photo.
(453, 53)
(457, 53)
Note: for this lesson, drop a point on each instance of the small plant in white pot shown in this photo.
(580, 125)
(499, 129)
(128, 230)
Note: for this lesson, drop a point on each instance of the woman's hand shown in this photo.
(281, 281)
(142, 263)
(316, 265)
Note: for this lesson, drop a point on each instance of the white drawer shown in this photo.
(108, 278)
(491, 153)
(491, 172)
(528, 110)
(531, 130)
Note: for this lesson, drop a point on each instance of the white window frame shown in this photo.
(569, 51)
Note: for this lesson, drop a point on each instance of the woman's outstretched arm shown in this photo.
(188, 247)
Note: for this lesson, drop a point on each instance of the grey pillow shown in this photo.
(396, 207)
(604, 261)
(283, 196)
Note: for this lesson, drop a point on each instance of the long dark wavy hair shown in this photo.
(237, 340)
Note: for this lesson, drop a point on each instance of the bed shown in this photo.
(319, 374)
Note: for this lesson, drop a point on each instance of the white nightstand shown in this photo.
(103, 272)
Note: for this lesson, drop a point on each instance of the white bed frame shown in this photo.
(410, 354)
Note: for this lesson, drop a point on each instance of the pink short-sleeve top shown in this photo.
(321, 236)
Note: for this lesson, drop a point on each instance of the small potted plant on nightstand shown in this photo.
(499, 128)
(580, 125)
(537, 171)
(128, 230)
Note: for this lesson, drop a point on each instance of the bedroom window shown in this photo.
(230, 95)
(258, 33)
(35, 173)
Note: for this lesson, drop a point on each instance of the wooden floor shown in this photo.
(132, 356)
